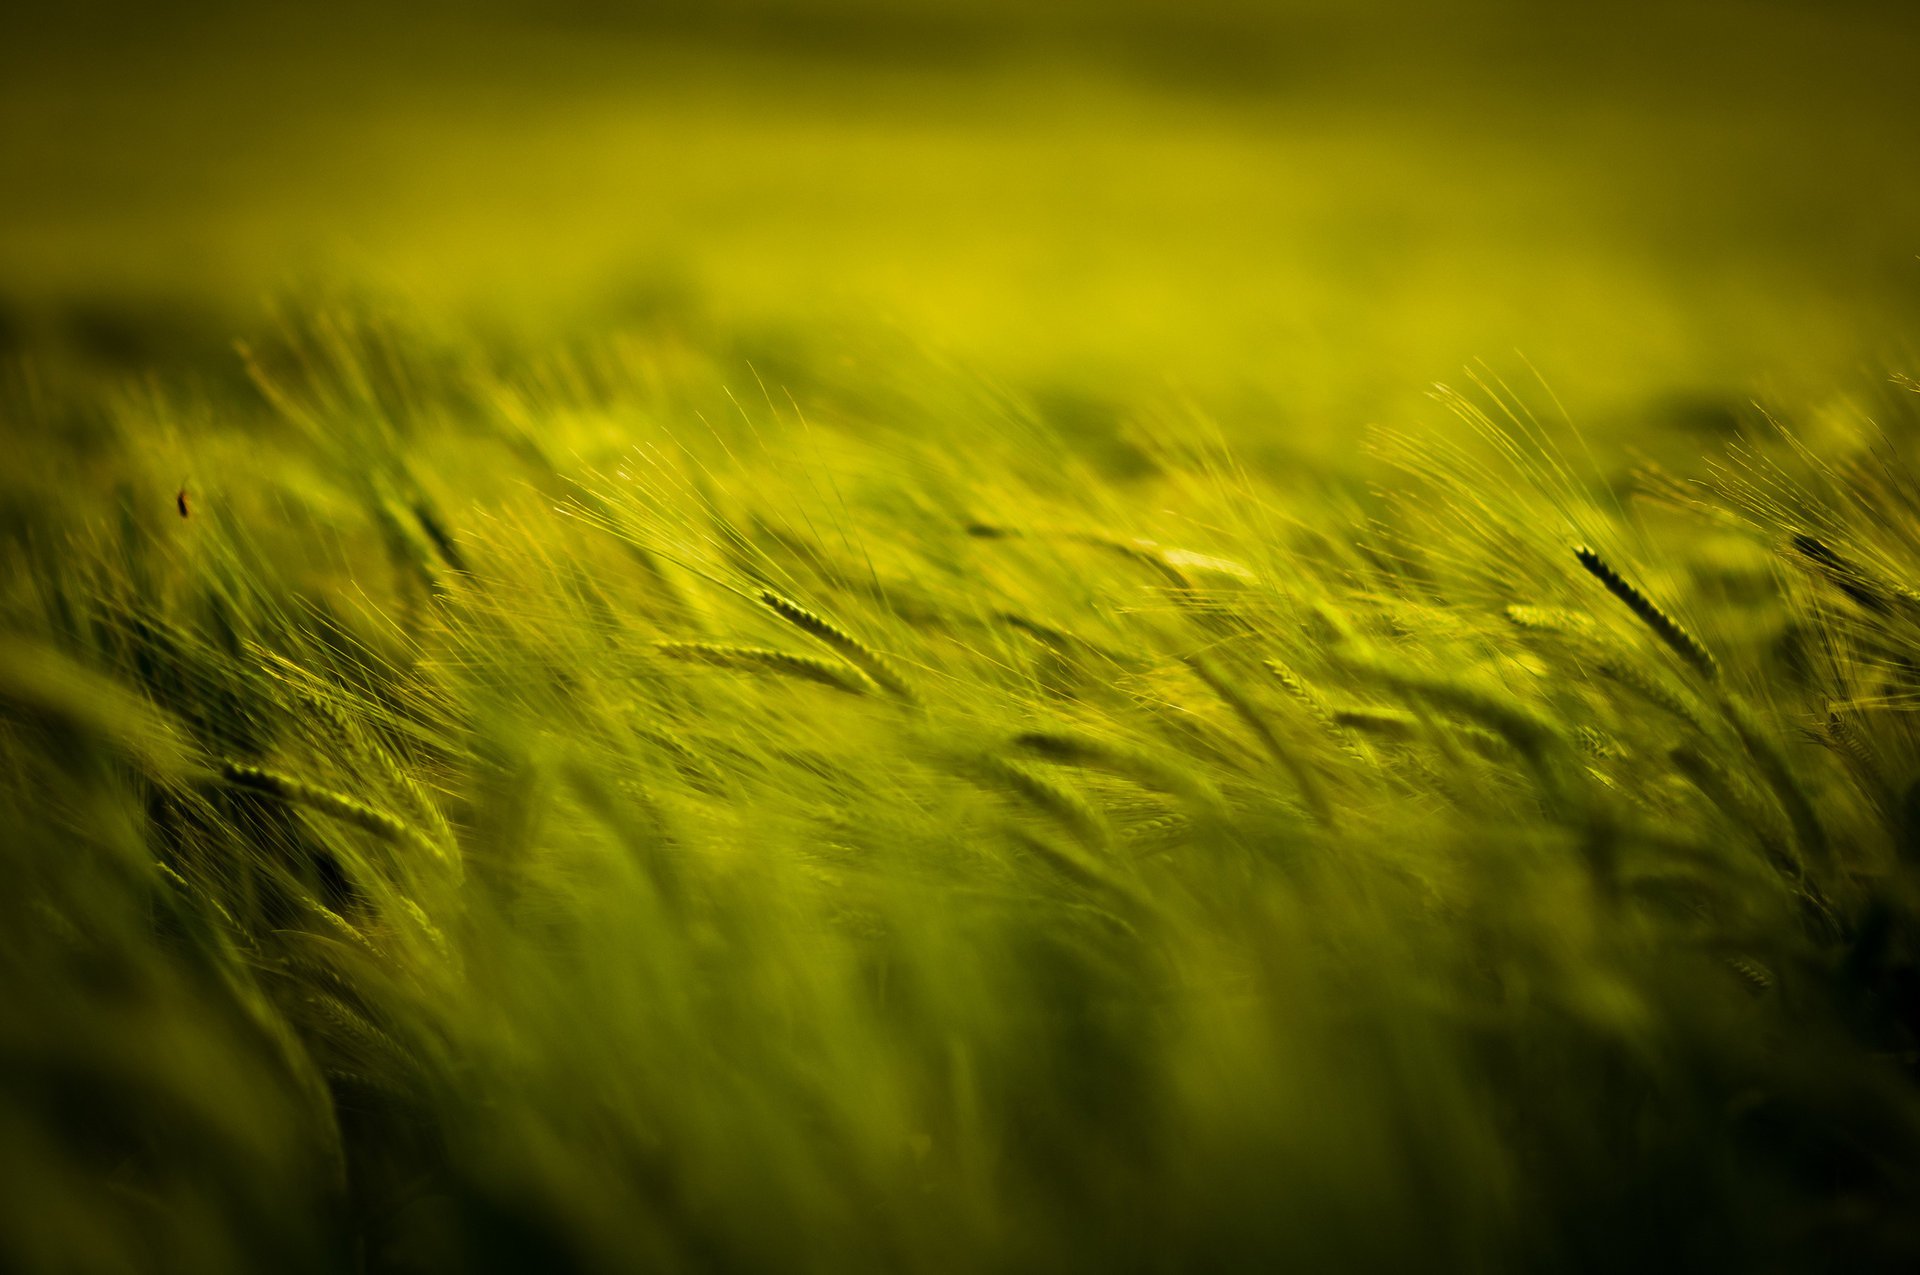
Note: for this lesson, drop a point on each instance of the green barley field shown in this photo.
(837, 636)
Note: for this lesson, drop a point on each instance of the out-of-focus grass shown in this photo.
(1307, 210)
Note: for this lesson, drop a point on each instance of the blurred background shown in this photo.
(1297, 215)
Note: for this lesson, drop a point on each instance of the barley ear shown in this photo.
(836, 674)
(1668, 629)
(334, 805)
(843, 643)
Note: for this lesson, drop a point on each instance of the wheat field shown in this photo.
(704, 781)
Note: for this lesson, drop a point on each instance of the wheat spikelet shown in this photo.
(1071, 865)
(1740, 803)
(1757, 977)
(1383, 723)
(1616, 668)
(1528, 734)
(1128, 763)
(1156, 833)
(333, 921)
(1058, 640)
(1734, 799)
(1551, 619)
(1664, 626)
(335, 805)
(1549, 757)
(850, 648)
(692, 765)
(1779, 775)
(358, 1051)
(1580, 637)
(1056, 800)
(1317, 708)
(1839, 735)
(320, 698)
(1850, 578)
(201, 897)
(1304, 778)
(1309, 698)
(1145, 552)
(831, 673)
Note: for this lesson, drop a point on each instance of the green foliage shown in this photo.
(430, 853)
